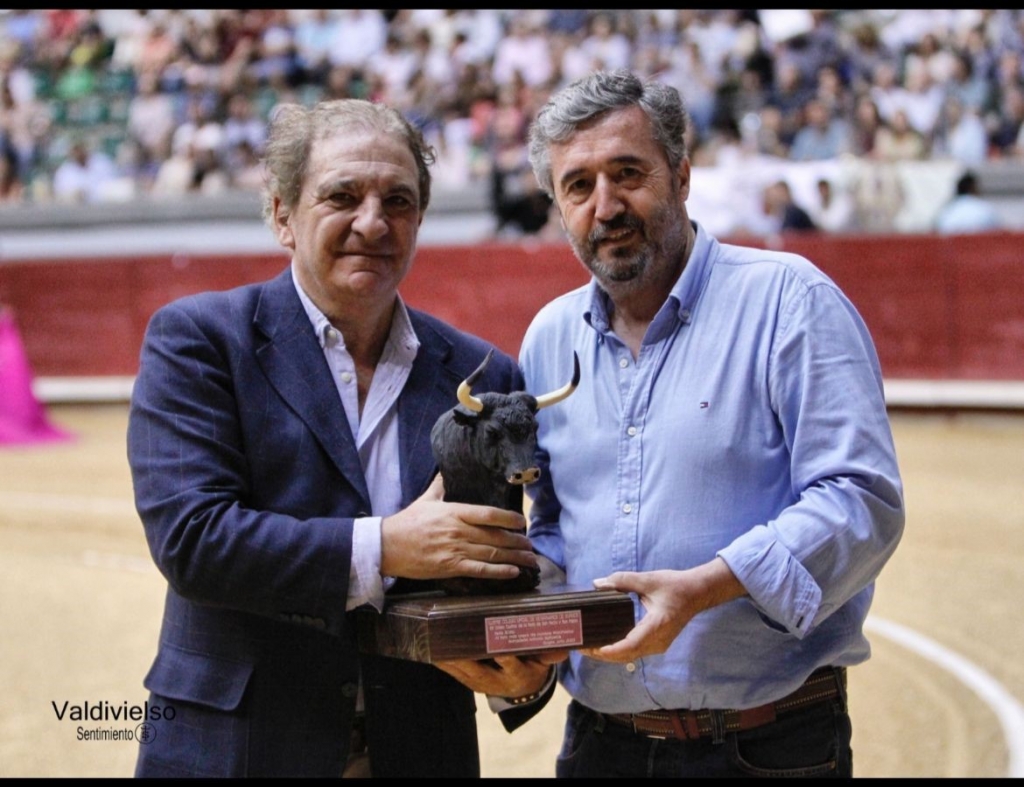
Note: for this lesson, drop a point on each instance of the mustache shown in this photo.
(621, 222)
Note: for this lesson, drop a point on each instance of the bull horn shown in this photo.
(466, 399)
(562, 393)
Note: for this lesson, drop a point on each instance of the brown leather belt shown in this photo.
(824, 684)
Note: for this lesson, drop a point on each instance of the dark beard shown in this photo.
(637, 261)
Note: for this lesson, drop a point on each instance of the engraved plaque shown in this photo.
(433, 627)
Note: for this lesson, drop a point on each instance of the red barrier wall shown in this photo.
(938, 308)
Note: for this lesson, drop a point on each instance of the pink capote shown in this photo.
(22, 418)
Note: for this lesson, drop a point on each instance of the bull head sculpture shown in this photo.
(485, 449)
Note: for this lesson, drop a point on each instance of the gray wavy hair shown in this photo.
(600, 92)
(294, 128)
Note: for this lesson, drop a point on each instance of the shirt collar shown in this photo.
(682, 298)
(402, 341)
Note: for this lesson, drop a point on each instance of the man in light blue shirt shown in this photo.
(967, 212)
(727, 458)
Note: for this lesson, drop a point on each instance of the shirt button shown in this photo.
(346, 377)
(627, 508)
(631, 667)
(631, 431)
(332, 335)
(623, 363)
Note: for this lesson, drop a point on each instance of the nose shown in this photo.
(370, 221)
(527, 476)
(607, 203)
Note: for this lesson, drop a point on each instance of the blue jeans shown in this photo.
(811, 742)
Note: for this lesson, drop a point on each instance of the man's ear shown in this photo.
(282, 227)
(683, 173)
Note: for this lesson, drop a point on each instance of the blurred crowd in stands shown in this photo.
(118, 104)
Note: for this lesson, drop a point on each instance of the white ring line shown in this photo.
(117, 562)
(1004, 705)
(63, 502)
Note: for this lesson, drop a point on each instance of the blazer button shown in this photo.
(349, 689)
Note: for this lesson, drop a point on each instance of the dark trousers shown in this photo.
(811, 742)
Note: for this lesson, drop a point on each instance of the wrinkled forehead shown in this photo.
(355, 151)
(624, 135)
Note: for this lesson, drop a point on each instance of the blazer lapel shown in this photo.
(429, 392)
(294, 364)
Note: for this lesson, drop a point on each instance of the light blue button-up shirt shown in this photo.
(751, 426)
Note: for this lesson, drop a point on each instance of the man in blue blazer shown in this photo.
(280, 454)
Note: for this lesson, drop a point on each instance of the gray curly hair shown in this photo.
(597, 93)
(294, 128)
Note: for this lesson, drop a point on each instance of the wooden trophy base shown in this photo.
(433, 626)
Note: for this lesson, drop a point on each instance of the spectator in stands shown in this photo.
(202, 126)
(176, 175)
(866, 51)
(1005, 124)
(790, 94)
(786, 214)
(920, 99)
(129, 37)
(831, 91)
(688, 70)
(864, 127)
(835, 209)
(886, 91)
(933, 56)
(967, 211)
(523, 54)
(11, 185)
(960, 133)
(741, 97)
(91, 49)
(972, 91)
(314, 37)
(897, 140)
(982, 57)
(243, 125)
(211, 176)
(824, 135)
(24, 124)
(83, 175)
(246, 170)
(275, 56)
(604, 45)
(768, 133)
(517, 201)
(151, 120)
(841, 58)
(27, 28)
(157, 50)
(359, 35)
(394, 67)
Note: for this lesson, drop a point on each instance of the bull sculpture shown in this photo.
(485, 449)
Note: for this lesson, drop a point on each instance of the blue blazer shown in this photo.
(247, 481)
